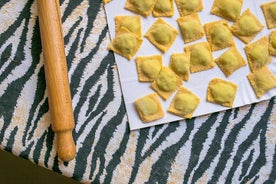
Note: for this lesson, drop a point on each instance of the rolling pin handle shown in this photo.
(65, 145)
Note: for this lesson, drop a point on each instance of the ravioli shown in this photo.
(184, 103)
(272, 43)
(269, 10)
(262, 80)
(149, 108)
(142, 7)
(166, 83)
(148, 67)
(161, 35)
(228, 9)
(186, 7)
(125, 43)
(190, 27)
(163, 8)
(218, 35)
(247, 26)
(200, 57)
(221, 92)
(132, 23)
(230, 61)
(257, 54)
(180, 64)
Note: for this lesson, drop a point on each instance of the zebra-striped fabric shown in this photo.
(236, 146)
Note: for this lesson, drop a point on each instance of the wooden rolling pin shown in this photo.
(56, 73)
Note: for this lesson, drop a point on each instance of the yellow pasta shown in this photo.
(148, 67)
(180, 64)
(184, 103)
(106, 1)
(269, 10)
(166, 83)
(142, 7)
(125, 43)
(247, 26)
(228, 9)
(230, 61)
(161, 35)
(262, 80)
(218, 35)
(132, 23)
(186, 7)
(272, 43)
(201, 57)
(257, 54)
(163, 8)
(190, 27)
(149, 108)
(221, 92)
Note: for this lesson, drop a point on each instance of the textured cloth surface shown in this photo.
(235, 146)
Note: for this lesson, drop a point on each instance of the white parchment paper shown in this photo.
(133, 89)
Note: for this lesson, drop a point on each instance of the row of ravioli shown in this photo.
(128, 37)
(227, 9)
(165, 81)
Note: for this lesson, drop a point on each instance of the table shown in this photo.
(235, 146)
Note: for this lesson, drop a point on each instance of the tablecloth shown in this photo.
(234, 146)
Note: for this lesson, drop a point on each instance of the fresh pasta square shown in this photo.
(228, 9)
(272, 43)
(161, 35)
(149, 108)
(180, 64)
(262, 80)
(269, 10)
(201, 57)
(186, 7)
(190, 27)
(257, 54)
(148, 67)
(221, 92)
(125, 43)
(247, 26)
(230, 61)
(184, 103)
(163, 8)
(218, 35)
(166, 83)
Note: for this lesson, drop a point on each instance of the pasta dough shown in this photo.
(230, 61)
(221, 92)
(257, 54)
(247, 26)
(148, 67)
(166, 83)
(180, 64)
(125, 43)
(218, 35)
(269, 10)
(228, 9)
(262, 80)
(201, 57)
(186, 7)
(149, 108)
(184, 103)
(190, 27)
(161, 35)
